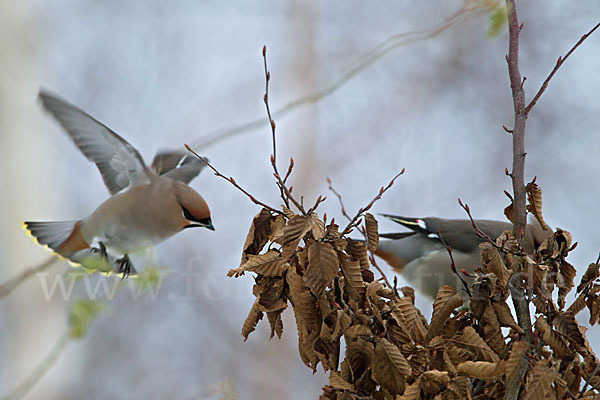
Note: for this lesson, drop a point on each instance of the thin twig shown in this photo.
(588, 378)
(41, 370)
(452, 263)
(233, 182)
(466, 13)
(339, 196)
(354, 221)
(7, 287)
(478, 231)
(319, 200)
(520, 120)
(559, 63)
(363, 231)
(285, 192)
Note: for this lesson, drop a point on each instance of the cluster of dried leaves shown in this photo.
(376, 344)
(391, 350)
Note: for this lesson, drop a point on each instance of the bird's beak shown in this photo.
(205, 223)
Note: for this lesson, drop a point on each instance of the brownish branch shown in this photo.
(516, 84)
(339, 197)
(8, 287)
(233, 182)
(286, 194)
(559, 63)
(453, 264)
(354, 221)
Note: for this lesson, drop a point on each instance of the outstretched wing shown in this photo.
(119, 162)
(178, 165)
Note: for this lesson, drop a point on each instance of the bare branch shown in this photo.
(453, 264)
(233, 182)
(468, 12)
(478, 231)
(339, 196)
(286, 194)
(559, 63)
(353, 222)
(518, 94)
(8, 287)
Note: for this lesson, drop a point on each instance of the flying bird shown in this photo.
(422, 259)
(147, 205)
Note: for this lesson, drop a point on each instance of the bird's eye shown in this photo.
(187, 215)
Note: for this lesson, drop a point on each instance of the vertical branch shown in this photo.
(518, 131)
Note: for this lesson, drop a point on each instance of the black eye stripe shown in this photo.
(187, 215)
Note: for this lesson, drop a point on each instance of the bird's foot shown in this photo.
(125, 266)
(100, 250)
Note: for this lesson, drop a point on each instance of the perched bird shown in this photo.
(422, 259)
(147, 204)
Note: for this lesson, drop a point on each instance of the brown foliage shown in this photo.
(391, 350)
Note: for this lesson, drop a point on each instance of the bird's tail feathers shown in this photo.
(62, 237)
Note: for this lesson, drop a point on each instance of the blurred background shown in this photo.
(162, 74)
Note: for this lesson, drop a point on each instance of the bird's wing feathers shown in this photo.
(120, 164)
(177, 165)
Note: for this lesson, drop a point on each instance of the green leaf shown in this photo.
(496, 22)
(81, 314)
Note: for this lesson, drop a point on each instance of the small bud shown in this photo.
(328, 180)
(264, 51)
(460, 202)
(534, 178)
(265, 98)
(276, 175)
(402, 172)
(268, 75)
(292, 162)
(464, 271)
(467, 208)
(231, 180)
(273, 126)
(290, 189)
(272, 158)
(506, 172)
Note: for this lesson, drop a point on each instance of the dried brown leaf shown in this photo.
(566, 325)
(412, 318)
(277, 225)
(276, 323)
(293, 232)
(412, 392)
(372, 232)
(516, 355)
(446, 301)
(434, 381)
(510, 212)
(287, 212)
(505, 316)
(492, 262)
(268, 264)
(258, 235)
(534, 199)
(551, 337)
(578, 305)
(481, 369)
(539, 382)
(336, 382)
(334, 325)
(303, 301)
(251, 321)
(591, 273)
(353, 278)
(490, 329)
(469, 339)
(322, 267)
(318, 227)
(390, 368)
(359, 355)
(358, 250)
